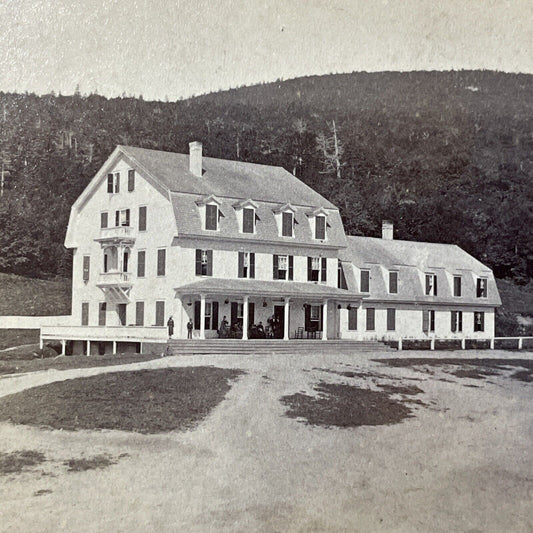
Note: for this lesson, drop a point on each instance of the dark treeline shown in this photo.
(448, 156)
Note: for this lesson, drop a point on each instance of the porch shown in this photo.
(275, 309)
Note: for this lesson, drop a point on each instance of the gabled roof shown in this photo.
(225, 178)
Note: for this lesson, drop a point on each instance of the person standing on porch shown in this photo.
(170, 325)
(189, 328)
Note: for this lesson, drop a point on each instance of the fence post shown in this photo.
(432, 344)
(400, 347)
(519, 343)
(463, 344)
(492, 343)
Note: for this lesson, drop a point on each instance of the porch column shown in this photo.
(325, 320)
(202, 316)
(245, 319)
(286, 320)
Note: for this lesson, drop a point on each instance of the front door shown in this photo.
(279, 321)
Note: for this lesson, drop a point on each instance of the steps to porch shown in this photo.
(265, 347)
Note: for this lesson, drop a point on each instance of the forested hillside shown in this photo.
(448, 156)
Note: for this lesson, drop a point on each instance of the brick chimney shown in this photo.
(195, 158)
(387, 230)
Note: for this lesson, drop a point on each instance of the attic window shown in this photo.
(481, 289)
(211, 217)
(248, 220)
(287, 224)
(113, 182)
(431, 285)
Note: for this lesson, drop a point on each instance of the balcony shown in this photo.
(116, 235)
(114, 279)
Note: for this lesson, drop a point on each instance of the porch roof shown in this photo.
(254, 287)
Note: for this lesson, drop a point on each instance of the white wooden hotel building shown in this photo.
(158, 234)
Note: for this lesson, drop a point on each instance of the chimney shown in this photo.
(387, 230)
(195, 158)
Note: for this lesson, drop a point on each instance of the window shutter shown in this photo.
(198, 262)
(241, 265)
(234, 311)
(117, 182)
(365, 281)
(391, 319)
(161, 259)
(139, 313)
(370, 319)
(432, 320)
(102, 308)
(141, 264)
(460, 323)
(457, 286)
(248, 216)
(142, 218)
(435, 285)
(309, 269)
(324, 270)
(214, 315)
(103, 220)
(454, 321)
(131, 180)
(307, 317)
(393, 282)
(85, 314)
(110, 183)
(291, 267)
(482, 321)
(428, 284)
(117, 219)
(197, 314)
(425, 321)
(209, 262)
(320, 227)
(352, 318)
(251, 313)
(160, 313)
(86, 267)
(251, 266)
(275, 271)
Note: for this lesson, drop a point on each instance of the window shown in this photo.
(352, 318)
(142, 218)
(113, 182)
(248, 220)
(122, 217)
(320, 227)
(160, 313)
(428, 321)
(204, 262)
(315, 312)
(283, 267)
(457, 321)
(102, 308)
(161, 262)
(370, 319)
(365, 280)
(246, 265)
(141, 264)
(479, 321)
(481, 289)
(313, 318)
(431, 285)
(131, 180)
(317, 269)
(86, 267)
(457, 285)
(286, 224)
(85, 314)
(211, 217)
(391, 319)
(121, 311)
(104, 219)
(207, 318)
(341, 278)
(139, 313)
(393, 282)
(125, 261)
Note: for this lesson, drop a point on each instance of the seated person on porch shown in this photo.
(236, 330)
(223, 332)
(261, 330)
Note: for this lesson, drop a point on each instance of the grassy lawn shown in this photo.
(16, 337)
(34, 297)
(145, 401)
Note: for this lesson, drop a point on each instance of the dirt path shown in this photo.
(463, 463)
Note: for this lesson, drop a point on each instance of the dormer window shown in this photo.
(248, 220)
(211, 217)
(481, 288)
(320, 227)
(287, 224)
(431, 284)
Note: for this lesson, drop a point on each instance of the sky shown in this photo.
(174, 49)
